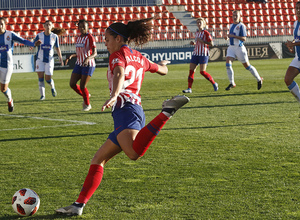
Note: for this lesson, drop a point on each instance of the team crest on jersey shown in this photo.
(114, 61)
(7, 38)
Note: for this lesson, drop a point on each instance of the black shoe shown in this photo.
(259, 84)
(10, 106)
(229, 87)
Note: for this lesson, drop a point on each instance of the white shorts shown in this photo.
(295, 63)
(5, 74)
(41, 66)
(239, 53)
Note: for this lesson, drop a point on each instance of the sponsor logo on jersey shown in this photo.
(46, 47)
(3, 48)
(79, 45)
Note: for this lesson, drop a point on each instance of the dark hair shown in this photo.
(58, 31)
(83, 21)
(135, 31)
(2, 18)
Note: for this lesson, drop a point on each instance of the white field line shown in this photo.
(74, 122)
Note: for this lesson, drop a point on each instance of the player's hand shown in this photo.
(164, 62)
(109, 103)
(38, 43)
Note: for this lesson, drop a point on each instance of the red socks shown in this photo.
(146, 136)
(191, 79)
(84, 93)
(207, 76)
(91, 183)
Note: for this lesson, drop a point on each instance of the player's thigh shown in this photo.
(291, 74)
(125, 139)
(107, 151)
(242, 55)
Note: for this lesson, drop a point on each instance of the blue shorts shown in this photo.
(84, 70)
(199, 59)
(131, 116)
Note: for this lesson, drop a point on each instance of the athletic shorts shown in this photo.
(239, 53)
(131, 116)
(84, 70)
(295, 63)
(5, 74)
(47, 68)
(199, 59)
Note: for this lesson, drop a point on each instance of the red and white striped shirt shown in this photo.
(84, 46)
(202, 49)
(135, 66)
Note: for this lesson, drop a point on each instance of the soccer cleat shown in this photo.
(230, 86)
(189, 90)
(86, 108)
(42, 98)
(259, 84)
(10, 106)
(173, 104)
(216, 86)
(74, 209)
(54, 93)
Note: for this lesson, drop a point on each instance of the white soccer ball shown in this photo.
(25, 202)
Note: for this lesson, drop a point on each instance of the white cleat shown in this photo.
(175, 103)
(71, 210)
(189, 90)
(86, 108)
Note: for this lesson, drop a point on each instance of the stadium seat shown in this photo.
(69, 11)
(76, 11)
(90, 17)
(14, 13)
(98, 17)
(11, 21)
(58, 19)
(67, 18)
(33, 27)
(84, 11)
(107, 10)
(28, 20)
(45, 12)
(91, 11)
(53, 12)
(144, 9)
(114, 10)
(40, 27)
(24, 27)
(136, 10)
(61, 11)
(6, 14)
(99, 11)
(136, 17)
(20, 20)
(22, 13)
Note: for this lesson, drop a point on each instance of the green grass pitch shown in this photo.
(225, 155)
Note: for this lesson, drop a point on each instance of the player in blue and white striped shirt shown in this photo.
(294, 67)
(237, 36)
(45, 60)
(7, 39)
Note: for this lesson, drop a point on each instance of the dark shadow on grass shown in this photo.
(225, 126)
(56, 136)
(239, 94)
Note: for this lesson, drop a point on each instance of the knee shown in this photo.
(133, 157)
(72, 85)
(288, 81)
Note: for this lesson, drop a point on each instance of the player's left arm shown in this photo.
(22, 40)
(94, 51)
(58, 51)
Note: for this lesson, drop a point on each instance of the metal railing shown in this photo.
(41, 4)
(178, 38)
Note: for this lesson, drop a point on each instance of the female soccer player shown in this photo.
(237, 36)
(294, 68)
(125, 76)
(85, 65)
(7, 39)
(200, 55)
(45, 60)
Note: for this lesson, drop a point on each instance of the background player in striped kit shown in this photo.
(200, 56)
(125, 75)
(7, 39)
(294, 68)
(237, 36)
(45, 59)
(85, 64)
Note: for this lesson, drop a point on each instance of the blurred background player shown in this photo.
(7, 39)
(200, 55)
(237, 36)
(125, 75)
(85, 64)
(45, 59)
(294, 68)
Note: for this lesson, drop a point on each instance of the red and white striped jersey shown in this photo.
(202, 49)
(135, 66)
(84, 46)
